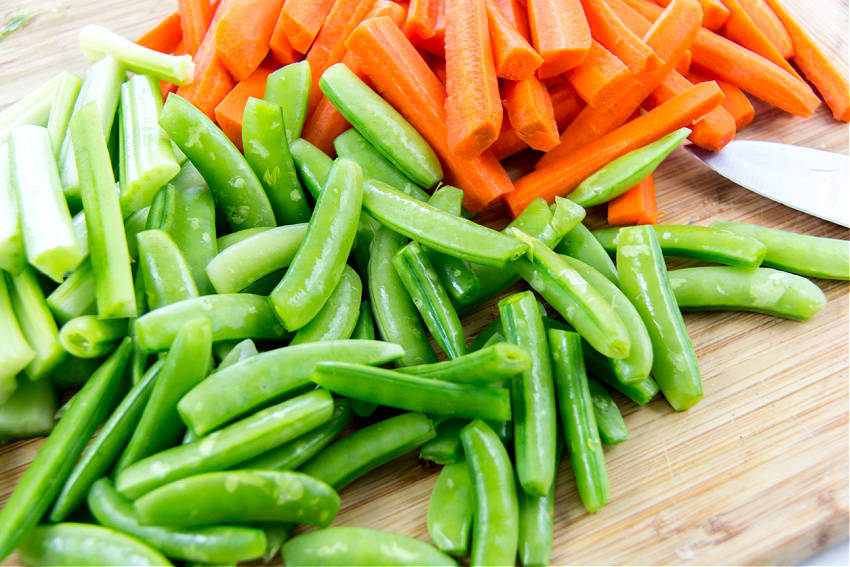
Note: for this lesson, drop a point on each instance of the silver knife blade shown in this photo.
(816, 182)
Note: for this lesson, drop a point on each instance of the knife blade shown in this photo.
(816, 182)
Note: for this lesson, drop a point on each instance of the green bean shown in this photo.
(801, 254)
(242, 350)
(289, 87)
(42, 479)
(445, 448)
(90, 337)
(73, 372)
(368, 448)
(12, 253)
(30, 410)
(578, 420)
(412, 393)
(644, 280)
(450, 509)
(17, 353)
(396, 317)
(264, 138)
(337, 318)
(536, 518)
(193, 229)
(33, 108)
(582, 245)
(317, 267)
(233, 444)
(344, 545)
(165, 273)
(495, 514)
(532, 395)
(609, 420)
(697, 243)
(381, 125)
(484, 335)
(85, 544)
(313, 165)
(61, 108)
(483, 367)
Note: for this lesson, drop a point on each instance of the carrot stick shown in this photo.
(531, 113)
(229, 111)
(281, 49)
(684, 64)
(421, 24)
(438, 66)
(714, 13)
(815, 66)
(635, 206)
(601, 78)
(301, 20)
(243, 34)
(560, 34)
(164, 36)
(436, 43)
(563, 175)
(607, 28)
(735, 102)
(517, 14)
(770, 25)
(473, 105)
(514, 57)
(195, 17)
(403, 78)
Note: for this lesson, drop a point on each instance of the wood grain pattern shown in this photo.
(756, 473)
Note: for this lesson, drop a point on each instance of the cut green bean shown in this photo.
(73, 372)
(489, 365)
(13, 257)
(60, 110)
(337, 318)
(581, 244)
(165, 273)
(609, 420)
(30, 410)
(36, 323)
(289, 87)
(313, 165)
(450, 509)
(90, 337)
(17, 353)
(33, 108)
(484, 335)
(445, 448)
(193, 228)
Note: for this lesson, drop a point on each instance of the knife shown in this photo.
(816, 182)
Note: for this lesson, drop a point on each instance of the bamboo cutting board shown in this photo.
(756, 473)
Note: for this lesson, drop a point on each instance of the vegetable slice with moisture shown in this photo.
(12, 253)
(450, 509)
(61, 109)
(193, 228)
(560, 34)
(289, 87)
(17, 353)
(90, 337)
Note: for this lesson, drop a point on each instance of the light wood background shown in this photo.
(756, 473)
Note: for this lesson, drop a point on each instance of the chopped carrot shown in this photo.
(243, 34)
(301, 20)
(436, 43)
(636, 20)
(229, 111)
(281, 49)
(770, 25)
(735, 102)
(164, 36)
(560, 34)
(438, 65)
(684, 64)
(607, 28)
(473, 104)
(563, 175)
(167, 88)
(674, 22)
(514, 57)
(404, 79)
(517, 14)
(195, 17)
(714, 13)
(741, 29)
(531, 113)
(815, 66)
(601, 78)
(421, 24)
(635, 206)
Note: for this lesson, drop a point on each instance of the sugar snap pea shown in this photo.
(90, 337)
(445, 448)
(609, 420)
(36, 323)
(29, 412)
(581, 244)
(312, 164)
(337, 318)
(242, 350)
(449, 517)
(289, 87)
(86, 544)
(164, 270)
(193, 228)
(483, 367)
(162, 209)
(364, 330)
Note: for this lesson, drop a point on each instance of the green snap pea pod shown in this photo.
(234, 183)
(450, 509)
(34, 108)
(289, 87)
(484, 335)
(536, 518)
(644, 280)
(439, 230)
(445, 448)
(106, 447)
(581, 244)
(42, 480)
(295, 453)
(430, 298)
(313, 165)
(368, 448)
(763, 290)
(60, 110)
(578, 419)
(801, 254)
(233, 316)
(86, 544)
(317, 267)
(73, 372)
(495, 528)
(13, 257)
(238, 389)
(90, 337)
(345, 545)
(483, 367)
(108, 251)
(227, 240)
(165, 273)
(193, 229)
(230, 445)
(146, 160)
(352, 145)
(218, 544)
(36, 323)
(30, 410)
(242, 350)
(698, 243)
(49, 239)
(242, 263)
(75, 296)
(264, 138)
(367, 228)
(337, 318)
(574, 298)
(618, 176)
(162, 208)
(17, 353)
(133, 225)
(412, 393)
(396, 317)
(609, 420)
(364, 330)
(277, 533)
(532, 394)
(381, 125)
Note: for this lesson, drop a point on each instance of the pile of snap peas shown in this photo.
(250, 332)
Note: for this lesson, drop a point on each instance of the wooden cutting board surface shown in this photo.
(756, 473)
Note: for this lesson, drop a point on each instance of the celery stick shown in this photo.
(12, 254)
(60, 112)
(32, 109)
(16, 353)
(29, 412)
(75, 296)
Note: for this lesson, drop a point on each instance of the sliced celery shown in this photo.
(64, 99)
(16, 353)
(32, 109)
(12, 254)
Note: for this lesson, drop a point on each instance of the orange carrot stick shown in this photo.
(514, 57)
(563, 175)
(714, 13)
(684, 64)
(517, 14)
(301, 20)
(816, 67)
(164, 36)
(601, 78)
(635, 206)
(229, 111)
(421, 24)
(741, 29)
(195, 17)
(438, 66)
(560, 34)
(735, 102)
(607, 28)
(281, 49)
(403, 78)
(473, 104)
(243, 34)
(436, 43)
(770, 25)
(531, 113)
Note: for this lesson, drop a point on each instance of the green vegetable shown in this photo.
(12, 253)
(34, 108)
(489, 365)
(88, 336)
(85, 544)
(337, 318)
(582, 245)
(449, 518)
(30, 410)
(164, 271)
(17, 353)
(75, 296)
(609, 420)
(289, 87)
(193, 228)
(60, 110)
(445, 448)
(313, 165)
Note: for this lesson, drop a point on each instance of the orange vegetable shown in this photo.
(560, 34)
(243, 34)
(436, 43)
(601, 78)
(164, 36)
(736, 102)
(607, 28)
(438, 65)
(563, 175)
(279, 45)
(301, 20)
(770, 25)
(473, 105)
(531, 113)
(404, 79)
(635, 206)
(714, 13)
(684, 64)
(517, 14)
(228, 113)
(195, 17)
(421, 24)
(513, 56)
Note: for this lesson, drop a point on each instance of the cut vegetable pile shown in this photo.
(248, 239)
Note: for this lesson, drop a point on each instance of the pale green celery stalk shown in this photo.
(32, 109)
(110, 258)
(97, 42)
(75, 296)
(146, 157)
(12, 254)
(102, 84)
(49, 239)
(37, 324)
(63, 105)
(16, 353)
